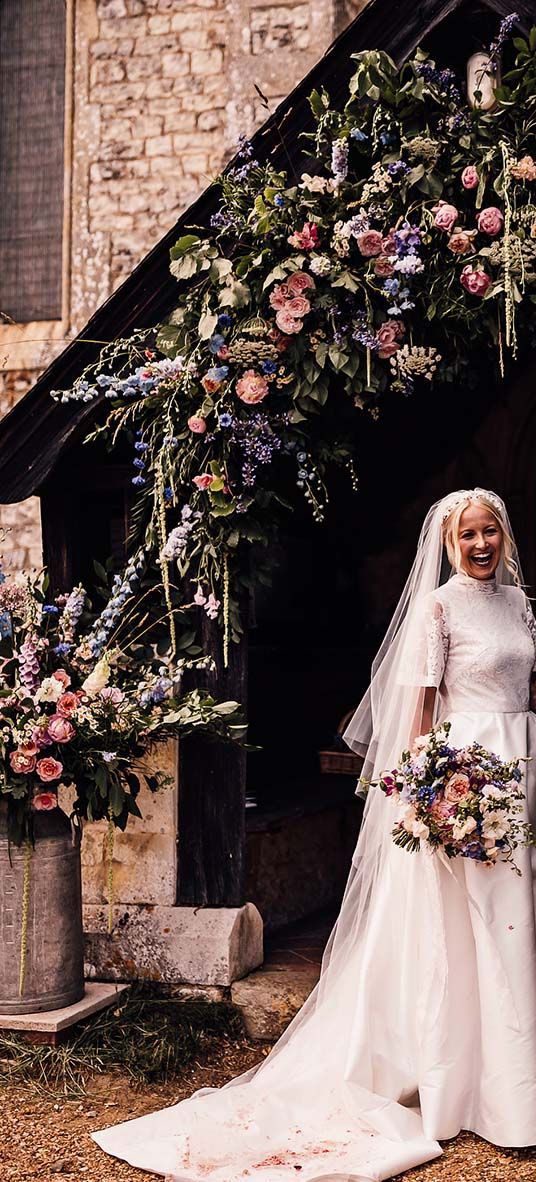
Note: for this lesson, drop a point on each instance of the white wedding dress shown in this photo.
(430, 1025)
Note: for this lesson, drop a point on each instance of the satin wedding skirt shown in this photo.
(425, 1026)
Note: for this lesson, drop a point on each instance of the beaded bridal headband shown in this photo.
(472, 494)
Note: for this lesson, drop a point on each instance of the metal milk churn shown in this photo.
(54, 974)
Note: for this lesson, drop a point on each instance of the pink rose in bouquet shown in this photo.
(299, 282)
(67, 704)
(44, 802)
(287, 322)
(446, 216)
(490, 221)
(22, 763)
(383, 267)
(389, 336)
(49, 768)
(280, 296)
(460, 242)
(252, 387)
(470, 177)
(476, 282)
(370, 243)
(60, 729)
(197, 424)
(457, 787)
(298, 306)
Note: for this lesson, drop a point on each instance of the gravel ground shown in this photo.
(45, 1138)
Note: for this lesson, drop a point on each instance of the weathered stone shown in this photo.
(207, 61)
(269, 1000)
(159, 145)
(198, 945)
(174, 64)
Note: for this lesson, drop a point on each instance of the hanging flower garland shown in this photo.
(408, 252)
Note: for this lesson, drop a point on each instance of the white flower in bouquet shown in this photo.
(50, 690)
(461, 830)
(98, 678)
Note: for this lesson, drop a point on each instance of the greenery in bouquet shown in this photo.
(408, 249)
(75, 715)
(465, 801)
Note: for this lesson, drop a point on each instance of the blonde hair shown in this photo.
(451, 527)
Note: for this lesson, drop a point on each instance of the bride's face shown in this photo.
(480, 540)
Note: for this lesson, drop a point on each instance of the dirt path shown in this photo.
(47, 1139)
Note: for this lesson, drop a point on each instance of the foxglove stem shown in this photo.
(25, 915)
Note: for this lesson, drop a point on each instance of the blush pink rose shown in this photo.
(197, 424)
(441, 810)
(383, 267)
(252, 387)
(298, 282)
(460, 242)
(475, 282)
(370, 243)
(280, 296)
(298, 306)
(446, 216)
(490, 221)
(67, 703)
(457, 787)
(49, 768)
(204, 481)
(63, 676)
(44, 802)
(470, 177)
(60, 729)
(389, 337)
(22, 763)
(287, 322)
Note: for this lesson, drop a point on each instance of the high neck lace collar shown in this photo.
(484, 586)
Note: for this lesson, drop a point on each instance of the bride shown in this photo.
(423, 1021)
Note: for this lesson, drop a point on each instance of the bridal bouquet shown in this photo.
(465, 801)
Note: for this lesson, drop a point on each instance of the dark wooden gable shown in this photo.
(37, 431)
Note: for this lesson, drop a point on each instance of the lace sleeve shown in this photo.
(437, 644)
(426, 648)
(528, 617)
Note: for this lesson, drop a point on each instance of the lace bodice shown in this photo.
(480, 645)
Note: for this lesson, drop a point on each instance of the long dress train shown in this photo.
(426, 1023)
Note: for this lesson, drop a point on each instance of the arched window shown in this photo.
(32, 96)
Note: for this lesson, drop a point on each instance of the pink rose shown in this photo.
(60, 729)
(305, 239)
(490, 221)
(475, 282)
(445, 216)
(197, 424)
(49, 768)
(299, 281)
(252, 387)
(370, 243)
(298, 306)
(441, 810)
(383, 267)
(280, 295)
(470, 177)
(287, 322)
(112, 693)
(28, 748)
(21, 763)
(204, 480)
(44, 802)
(457, 788)
(389, 242)
(63, 676)
(389, 335)
(67, 703)
(460, 242)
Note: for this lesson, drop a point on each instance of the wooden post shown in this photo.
(212, 794)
